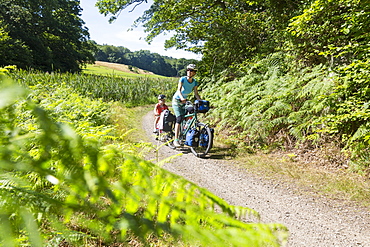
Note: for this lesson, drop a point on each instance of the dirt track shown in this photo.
(312, 221)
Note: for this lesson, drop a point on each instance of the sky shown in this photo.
(117, 33)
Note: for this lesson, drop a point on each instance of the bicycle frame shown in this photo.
(186, 124)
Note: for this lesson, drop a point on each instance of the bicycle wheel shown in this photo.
(168, 137)
(205, 141)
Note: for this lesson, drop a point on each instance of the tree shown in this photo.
(153, 62)
(332, 32)
(50, 30)
(13, 51)
(225, 32)
(112, 54)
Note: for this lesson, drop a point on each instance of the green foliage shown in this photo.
(229, 32)
(110, 53)
(224, 32)
(43, 34)
(160, 65)
(271, 102)
(274, 105)
(350, 113)
(332, 32)
(150, 61)
(58, 185)
(270, 105)
(319, 91)
(13, 51)
(131, 91)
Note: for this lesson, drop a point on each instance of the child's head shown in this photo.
(161, 98)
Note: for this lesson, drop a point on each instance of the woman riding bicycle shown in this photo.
(184, 88)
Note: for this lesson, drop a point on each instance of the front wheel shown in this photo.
(205, 141)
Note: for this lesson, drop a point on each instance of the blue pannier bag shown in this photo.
(202, 106)
(204, 137)
(192, 138)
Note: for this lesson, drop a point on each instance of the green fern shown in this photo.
(263, 104)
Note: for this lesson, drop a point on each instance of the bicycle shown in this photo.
(190, 123)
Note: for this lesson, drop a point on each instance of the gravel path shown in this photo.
(312, 221)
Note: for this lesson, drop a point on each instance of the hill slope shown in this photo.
(122, 67)
(104, 68)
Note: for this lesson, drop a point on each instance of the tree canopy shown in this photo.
(331, 32)
(230, 32)
(224, 32)
(43, 34)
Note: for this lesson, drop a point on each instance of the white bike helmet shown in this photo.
(192, 66)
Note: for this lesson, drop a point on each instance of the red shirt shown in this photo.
(159, 108)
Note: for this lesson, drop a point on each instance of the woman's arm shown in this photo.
(179, 87)
(196, 93)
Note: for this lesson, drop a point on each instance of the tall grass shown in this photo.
(130, 91)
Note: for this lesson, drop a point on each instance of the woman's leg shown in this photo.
(177, 126)
(177, 131)
(179, 110)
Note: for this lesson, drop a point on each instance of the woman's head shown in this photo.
(191, 70)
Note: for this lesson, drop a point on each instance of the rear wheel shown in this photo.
(168, 138)
(205, 141)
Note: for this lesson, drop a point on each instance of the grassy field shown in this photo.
(114, 69)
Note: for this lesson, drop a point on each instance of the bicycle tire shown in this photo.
(168, 138)
(204, 146)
